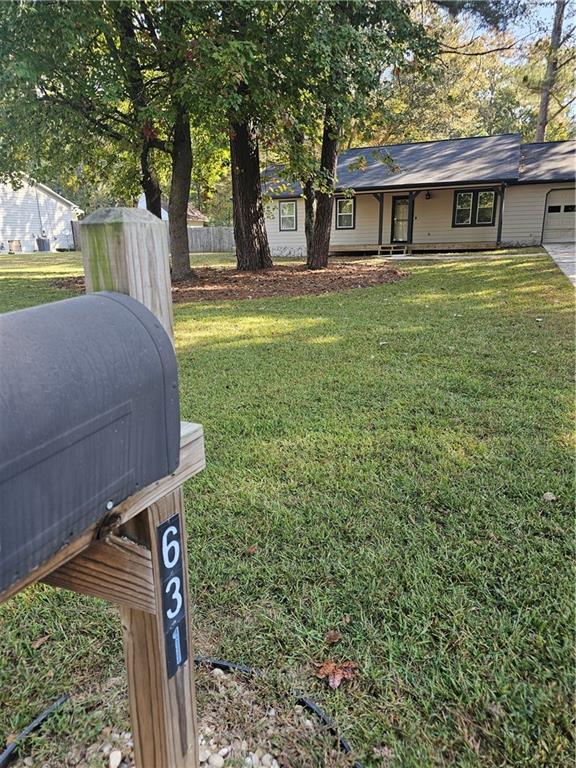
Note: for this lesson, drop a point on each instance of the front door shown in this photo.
(401, 211)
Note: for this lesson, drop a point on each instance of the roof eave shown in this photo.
(423, 185)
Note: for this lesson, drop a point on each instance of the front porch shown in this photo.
(389, 222)
(406, 249)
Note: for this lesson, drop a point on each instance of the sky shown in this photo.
(539, 17)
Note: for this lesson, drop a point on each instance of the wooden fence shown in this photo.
(200, 239)
(210, 239)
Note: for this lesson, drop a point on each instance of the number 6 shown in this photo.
(170, 549)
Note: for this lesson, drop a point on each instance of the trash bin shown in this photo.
(43, 243)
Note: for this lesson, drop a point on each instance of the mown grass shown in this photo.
(385, 450)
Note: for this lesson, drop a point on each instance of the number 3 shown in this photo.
(170, 549)
(176, 595)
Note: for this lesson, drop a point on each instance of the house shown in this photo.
(195, 217)
(33, 212)
(454, 194)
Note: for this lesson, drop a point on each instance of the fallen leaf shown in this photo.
(251, 550)
(336, 671)
(548, 496)
(11, 738)
(40, 641)
(385, 752)
(332, 636)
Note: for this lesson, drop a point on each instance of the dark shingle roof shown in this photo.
(427, 163)
(548, 161)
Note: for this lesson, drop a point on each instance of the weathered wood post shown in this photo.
(126, 250)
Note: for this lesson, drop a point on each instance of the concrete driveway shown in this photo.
(564, 254)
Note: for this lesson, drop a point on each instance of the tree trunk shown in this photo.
(551, 68)
(150, 185)
(252, 248)
(325, 196)
(180, 195)
(309, 216)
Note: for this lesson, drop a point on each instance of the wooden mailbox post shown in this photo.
(136, 555)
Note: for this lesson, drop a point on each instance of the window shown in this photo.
(345, 213)
(463, 208)
(554, 208)
(569, 208)
(287, 212)
(485, 208)
(474, 208)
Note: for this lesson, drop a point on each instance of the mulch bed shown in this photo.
(221, 283)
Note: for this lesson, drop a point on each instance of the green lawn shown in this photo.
(386, 451)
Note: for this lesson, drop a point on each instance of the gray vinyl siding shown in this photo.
(433, 221)
(26, 212)
(285, 243)
(522, 219)
(366, 223)
(524, 212)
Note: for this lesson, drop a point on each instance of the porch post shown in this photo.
(411, 197)
(500, 213)
(380, 216)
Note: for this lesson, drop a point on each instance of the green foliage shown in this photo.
(86, 86)
(482, 86)
(345, 51)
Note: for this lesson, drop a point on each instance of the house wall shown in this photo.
(26, 212)
(365, 231)
(433, 221)
(523, 217)
(432, 224)
(289, 244)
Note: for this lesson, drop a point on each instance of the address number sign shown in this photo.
(173, 605)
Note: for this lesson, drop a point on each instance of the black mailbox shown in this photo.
(89, 414)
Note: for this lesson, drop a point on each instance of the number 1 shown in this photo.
(176, 638)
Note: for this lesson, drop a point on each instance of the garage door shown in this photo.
(560, 217)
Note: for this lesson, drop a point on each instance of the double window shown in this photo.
(288, 218)
(474, 208)
(345, 212)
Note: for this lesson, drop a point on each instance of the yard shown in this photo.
(377, 460)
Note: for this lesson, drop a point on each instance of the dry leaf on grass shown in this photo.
(332, 636)
(336, 671)
(40, 641)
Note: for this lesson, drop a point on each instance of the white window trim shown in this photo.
(291, 216)
(469, 220)
(352, 213)
(492, 207)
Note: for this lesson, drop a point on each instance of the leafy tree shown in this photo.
(481, 84)
(80, 79)
(347, 48)
(558, 52)
(239, 57)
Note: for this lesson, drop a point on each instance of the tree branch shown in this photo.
(566, 61)
(562, 108)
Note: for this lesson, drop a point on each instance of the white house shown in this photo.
(455, 194)
(34, 211)
(195, 217)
